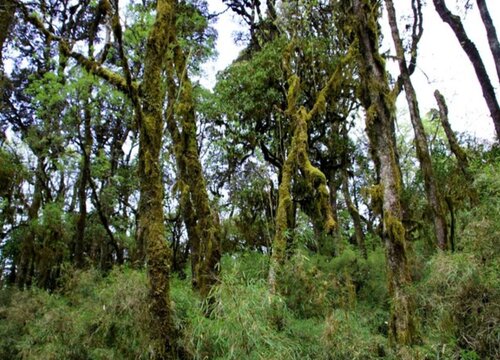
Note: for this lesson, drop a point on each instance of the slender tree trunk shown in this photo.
(379, 123)
(151, 225)
(434, 196)
(351, 206)
(456, 149)
(470, 49)
(86, 147)
(353, 211)
(202, 222)
(491, 33)
(27, 253)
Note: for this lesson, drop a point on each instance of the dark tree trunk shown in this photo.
(491, 34)
(27, 248)
(86, 147)
(434, 196)
(470, 49)
(379, 106)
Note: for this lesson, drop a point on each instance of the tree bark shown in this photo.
(434, 196)
(456, 149)
(380, 108)
(470, 49)
(86, 147)
(490, 33)
(202, 222)
(151, 227)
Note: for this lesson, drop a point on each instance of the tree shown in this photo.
(379, 107)
(434, 196)
(470, 49)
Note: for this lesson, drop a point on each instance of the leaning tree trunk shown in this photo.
(470, 49)
(434, 196)
(380, 108)
(202, 222)
(456, 149)
(490, 33)
(151, 221)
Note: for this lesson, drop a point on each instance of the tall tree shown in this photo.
(434, 196)
(475, 58)
(380, 109)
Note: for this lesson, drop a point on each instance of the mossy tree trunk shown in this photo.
(151, 221)
(202, 222)
(379, 106)
(434, 195)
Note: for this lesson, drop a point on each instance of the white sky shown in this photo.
(442, 65)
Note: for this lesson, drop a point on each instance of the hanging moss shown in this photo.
(298, 164)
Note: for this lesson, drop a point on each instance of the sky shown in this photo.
(441, 64)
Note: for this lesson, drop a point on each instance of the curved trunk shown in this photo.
(434, 196)
(470, 49)
(379, 106)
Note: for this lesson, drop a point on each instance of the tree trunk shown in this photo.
(151, 227)
(353, 211)
(470, 49)
(491, 34)
(456, 149)
(434, 196)
(202, 222)
(27, 248)
(86, 147)
(380, 110)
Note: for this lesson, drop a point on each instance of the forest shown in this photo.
(296, 210)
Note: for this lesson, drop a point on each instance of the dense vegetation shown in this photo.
(280, 215)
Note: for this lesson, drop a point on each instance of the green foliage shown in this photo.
(91, 317)
(314, 284)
